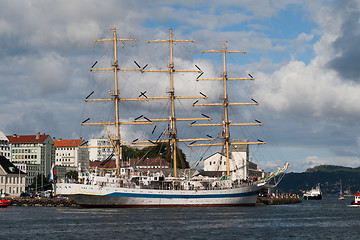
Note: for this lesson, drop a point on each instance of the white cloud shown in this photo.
(312, 161)
(50, 72)
(46, 50)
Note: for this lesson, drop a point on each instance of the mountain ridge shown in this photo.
(329, 177)
(332, 168)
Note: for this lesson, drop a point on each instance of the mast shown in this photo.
(115, 97)
(172, 97)
(226, 122)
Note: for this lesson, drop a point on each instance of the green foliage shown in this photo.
(332, 168)
(129, 152)
(40, 182)
(162, 150)
(328, 176)
(72, 174)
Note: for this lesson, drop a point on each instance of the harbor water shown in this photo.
(329, 218)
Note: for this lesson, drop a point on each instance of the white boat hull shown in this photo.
(353, 205)
(97, 196)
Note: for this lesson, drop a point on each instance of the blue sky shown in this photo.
(303, 55)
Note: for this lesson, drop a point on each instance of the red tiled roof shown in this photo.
(67, 143)
(108, 164)
(150, 162)
(27, 138)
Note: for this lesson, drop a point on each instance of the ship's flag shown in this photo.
(52, 173)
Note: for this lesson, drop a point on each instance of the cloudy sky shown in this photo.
(304, 56)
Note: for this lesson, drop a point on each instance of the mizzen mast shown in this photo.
(226, 122)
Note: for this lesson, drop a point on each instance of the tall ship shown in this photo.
(128, 186)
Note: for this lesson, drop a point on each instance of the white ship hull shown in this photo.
(97, 196)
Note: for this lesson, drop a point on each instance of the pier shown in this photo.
(43, 202)
(277, 200)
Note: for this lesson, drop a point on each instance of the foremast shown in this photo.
(226, 122)
(114, 97)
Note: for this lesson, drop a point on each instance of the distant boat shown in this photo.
(356, 201)
(4, 203)
(341, 196)
(313, 194)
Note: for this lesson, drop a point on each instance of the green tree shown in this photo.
(162, 150)
(72, 174)
(129, 153)
(41, 183)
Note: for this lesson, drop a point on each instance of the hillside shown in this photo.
(327, 175)
(333, 168)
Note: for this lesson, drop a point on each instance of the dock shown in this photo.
(43, 202)
(277, 200)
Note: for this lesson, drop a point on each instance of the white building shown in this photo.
(97, 152)
(70, 156)
(12, 180)
(239, 164)
(37, 151)
(4, 146)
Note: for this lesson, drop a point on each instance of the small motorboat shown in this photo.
(4, 203)
(356, 201)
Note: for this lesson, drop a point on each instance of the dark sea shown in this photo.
(329, 218)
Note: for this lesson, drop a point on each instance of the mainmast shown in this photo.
(226, 122)
(172, 97)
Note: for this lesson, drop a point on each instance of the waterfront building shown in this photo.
(4, 146)
(12, 179)
(31, 171)
(37, 151)
(70, 156)
(97, 151)
(239, 162)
